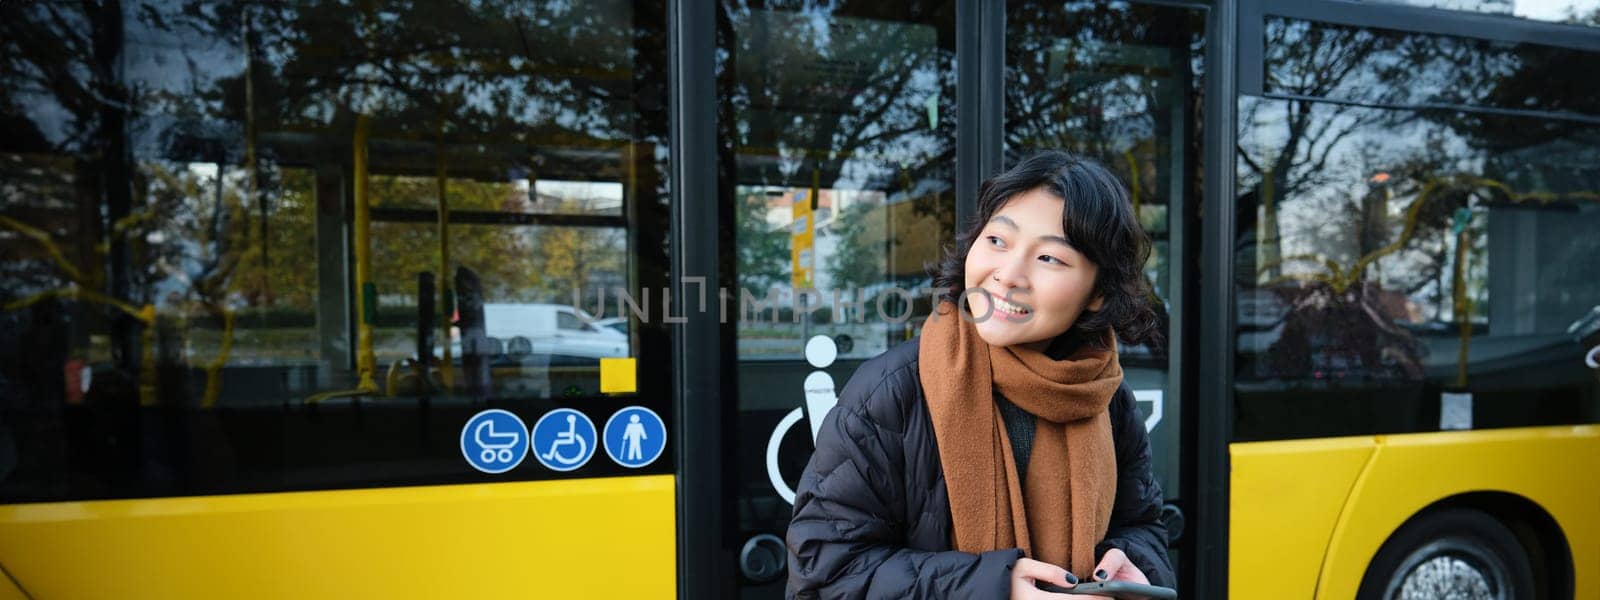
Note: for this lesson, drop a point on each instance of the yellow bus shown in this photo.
(544, 298)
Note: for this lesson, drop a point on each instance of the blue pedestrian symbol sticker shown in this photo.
(494, 441)
(635, 437)
(563, 439)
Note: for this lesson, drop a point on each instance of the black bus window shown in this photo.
(1388, 67)
(231, 219)
(1414, 269)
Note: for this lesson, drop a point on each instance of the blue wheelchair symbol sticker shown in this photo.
(494, 441)
(563, 439)
(635, 437)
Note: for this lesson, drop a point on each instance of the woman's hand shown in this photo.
(1115, 566)
(1027, 571)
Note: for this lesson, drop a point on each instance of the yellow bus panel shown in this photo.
(580, 538)
(9, 591)
(1286, 498)
(1550, 466)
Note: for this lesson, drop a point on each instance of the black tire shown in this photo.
(1460, 550)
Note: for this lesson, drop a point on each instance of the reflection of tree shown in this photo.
(419, 68)
(1097, 79)
(1306, 62)
(858, 96)
(1542, 77)
(51, 52)
(1297, 149)
(185, 127)
(1384, 210)
(61, 63)
(1302, 155)
(1330, 332)
(817, 90)
(430, 71)
(863, 232)
(573, 262)
(1116, 83)
(763, 251)
(515, 263)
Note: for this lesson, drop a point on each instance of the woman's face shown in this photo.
(1036, 284)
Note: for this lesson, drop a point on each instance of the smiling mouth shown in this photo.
(1007, 308)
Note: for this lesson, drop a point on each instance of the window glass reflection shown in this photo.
(837, 131)
(1384, 67)
(841, 130)
(1577, 12)
(189, 304)
(1118, 83)
(1388, 256)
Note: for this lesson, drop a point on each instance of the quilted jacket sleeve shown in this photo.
(1136, 526)
(846, 539)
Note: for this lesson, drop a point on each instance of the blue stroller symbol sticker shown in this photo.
(635, 437)
(563, 439)
(494, 441)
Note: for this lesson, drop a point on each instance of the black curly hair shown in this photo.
(1098, 221)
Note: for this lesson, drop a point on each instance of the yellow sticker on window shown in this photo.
(619, 375)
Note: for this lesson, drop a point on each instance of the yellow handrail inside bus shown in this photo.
(79, 293)
(252, 195)
(367, 296)
(366, 290)
(50, 248)
(80, 290)
(214, 369)
(366, 306)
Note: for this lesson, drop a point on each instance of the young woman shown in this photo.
(999, 450)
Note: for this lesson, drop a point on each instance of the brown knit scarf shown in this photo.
(1072, 471)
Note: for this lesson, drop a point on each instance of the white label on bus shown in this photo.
(1455, 411)
(1155, 398)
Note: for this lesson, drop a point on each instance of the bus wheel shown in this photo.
(1452, 553)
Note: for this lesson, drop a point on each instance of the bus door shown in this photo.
(1120, 83)
(839, 137)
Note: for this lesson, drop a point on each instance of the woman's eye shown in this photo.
(995, 241)
(1051, 259)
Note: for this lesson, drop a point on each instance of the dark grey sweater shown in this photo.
(1019, 428)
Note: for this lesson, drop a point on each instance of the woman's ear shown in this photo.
(1095, 304)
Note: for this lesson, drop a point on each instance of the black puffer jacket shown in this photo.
(872, 517)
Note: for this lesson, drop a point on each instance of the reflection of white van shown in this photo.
(549, 330)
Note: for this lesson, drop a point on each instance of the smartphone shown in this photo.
(1121, 590)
